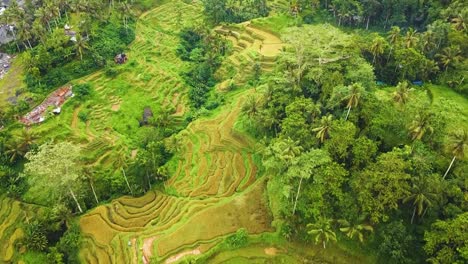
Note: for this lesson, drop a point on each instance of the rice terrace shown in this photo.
(230, 131)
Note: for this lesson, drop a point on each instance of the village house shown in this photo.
(55, 100)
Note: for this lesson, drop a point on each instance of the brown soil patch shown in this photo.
(115, 107)
(148, 249)
(88, 131)
(180, 110)
(177, 257)
(271, 251)
(134, 153)
(135, 251)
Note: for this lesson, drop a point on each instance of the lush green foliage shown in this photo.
(356, 146)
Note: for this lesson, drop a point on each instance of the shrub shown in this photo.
(82, 91)
(83, 116)
(237, 240)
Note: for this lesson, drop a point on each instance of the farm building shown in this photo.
(120, 58)
(55, 100)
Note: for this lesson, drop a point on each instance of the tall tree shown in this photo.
(81, 44)
(355, 228)
(56, 169)
(421, 196)
(304, 166)
(121, 164)
(377, 48)
(401, 95)
(353, 96)
(323, 131)
(449, 56)
(322, 231)
(458, 147)
(421, 125)
(411, 38)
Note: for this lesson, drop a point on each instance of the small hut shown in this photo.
(147, 115)
(120, 58)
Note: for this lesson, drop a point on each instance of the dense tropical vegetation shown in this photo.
(346, 119)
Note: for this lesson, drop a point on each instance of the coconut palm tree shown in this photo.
(121, 163)
(458, 147)
(420, 126)
(422, 198)
(125, 12)
(459, 22)
(24, 33)
(354, 95)
(81, 45)
(449, 56)
(393, 38)
(21, 144)
(377, 47)
(14, 150)
(44, 17)
(411, 38)
(401, 94)
(355, 228)
(251, 107)
(322, 231)
(323, 131)
(89, 172)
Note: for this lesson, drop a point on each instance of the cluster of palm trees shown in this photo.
(32, 24)
(428, 42)
(323, 233)
(19, 145)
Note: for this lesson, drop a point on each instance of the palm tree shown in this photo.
(24, 33)
(21, 144)
(459, 22)
(80, 45)
(125, 12)
(322, 231)
(401, 94)
(458, 146)
(44, 17)
(14, 150)
(449, 56)
(354, 94)
(420, 125)
(422, 198)
(121, 163)
(323, 131)
(251, 107)
(394, 35)
(377, 47)
(290, 149)
(411, 38)
(355, 228)
(88, 172)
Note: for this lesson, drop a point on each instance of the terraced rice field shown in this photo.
(218, 189)
(150, 78)
(12, 214)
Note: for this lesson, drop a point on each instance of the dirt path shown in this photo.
(75, 118)
(148, 249)
(177, 257)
